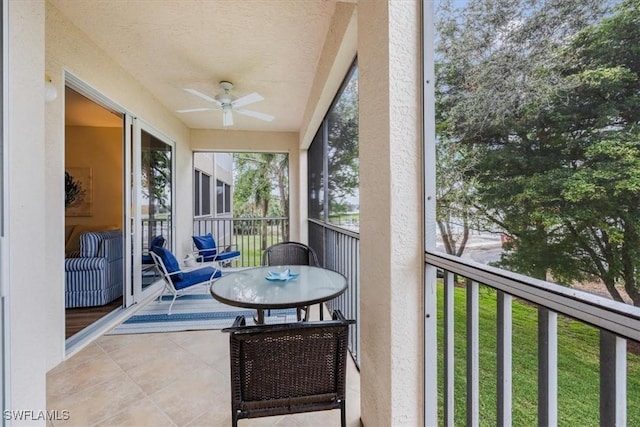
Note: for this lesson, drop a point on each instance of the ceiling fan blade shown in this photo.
(246, 100)
(193, 110)
(257, 115)
(203, 96)
(227, 117)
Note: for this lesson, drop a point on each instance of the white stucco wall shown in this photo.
(69, 49)
(338, 53)
(204, 162)
(27, 284)
(392, 255)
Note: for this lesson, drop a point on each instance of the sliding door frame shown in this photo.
(131, 231)
(134, 213)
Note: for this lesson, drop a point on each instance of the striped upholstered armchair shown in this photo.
(94, 277)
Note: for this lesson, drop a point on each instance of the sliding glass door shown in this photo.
(151, 204)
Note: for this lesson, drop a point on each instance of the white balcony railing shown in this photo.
(616, 323)
(250, 236)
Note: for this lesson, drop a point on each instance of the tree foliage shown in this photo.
(343, 152)
(261, 187)
(546, 93)
(156, 177)
(456, 195)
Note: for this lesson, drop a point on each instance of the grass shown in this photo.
(251, 250)
(578, 366)
(344, 218)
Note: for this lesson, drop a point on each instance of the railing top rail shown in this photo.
(622, 319)
(336, 228)
(226, 218)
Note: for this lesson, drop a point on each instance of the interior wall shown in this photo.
(101, 150)
(68, 49)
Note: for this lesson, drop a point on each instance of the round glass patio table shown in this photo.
(250, 288)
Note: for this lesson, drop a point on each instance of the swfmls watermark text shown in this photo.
(32, 415)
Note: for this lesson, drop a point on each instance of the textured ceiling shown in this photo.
(267, 46)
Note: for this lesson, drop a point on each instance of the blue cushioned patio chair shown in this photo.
(149, 267)
(157, 241)
(209, 252)
(178, 282)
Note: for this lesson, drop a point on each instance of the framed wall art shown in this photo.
(78, 191)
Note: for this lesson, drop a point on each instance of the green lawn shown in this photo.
(251, 250)
(578, 365)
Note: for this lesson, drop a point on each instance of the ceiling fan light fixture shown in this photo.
(227, 117)
(224, 99)
(228, 103)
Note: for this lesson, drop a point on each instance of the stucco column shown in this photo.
(23, 268)
(392, 256)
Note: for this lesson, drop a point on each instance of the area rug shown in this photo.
(194, 311)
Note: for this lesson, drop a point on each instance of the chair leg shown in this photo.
(259, 320)
(300, 312)
(174, 300)
(343, 415)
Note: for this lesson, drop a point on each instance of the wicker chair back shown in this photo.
(290, 253)
(288, 368)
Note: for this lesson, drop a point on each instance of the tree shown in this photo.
(547, 94)
(257, 176)
(490, 68)
(343, 152)
(456, 194)
(156, 177)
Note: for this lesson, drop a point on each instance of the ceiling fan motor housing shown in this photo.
(225, 98)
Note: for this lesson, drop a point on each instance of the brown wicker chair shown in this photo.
(288, 368)
(292, 253)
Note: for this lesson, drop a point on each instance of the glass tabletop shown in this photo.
(251, 289)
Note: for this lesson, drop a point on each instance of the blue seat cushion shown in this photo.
(158, 241)
(170, 262)
(222, 256)
(206, 245)
(194, 277)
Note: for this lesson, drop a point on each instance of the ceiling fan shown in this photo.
(227, 103)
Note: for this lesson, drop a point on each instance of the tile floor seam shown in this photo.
(115, 413)
(147, 395)
(91, 385)
(144, 392)
(130, 403)
(80, 365)
(167, 386)
(154, 403)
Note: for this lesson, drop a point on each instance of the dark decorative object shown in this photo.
(77, 187)
(73, 191)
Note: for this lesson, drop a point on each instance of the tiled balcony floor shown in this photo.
(164, 379)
